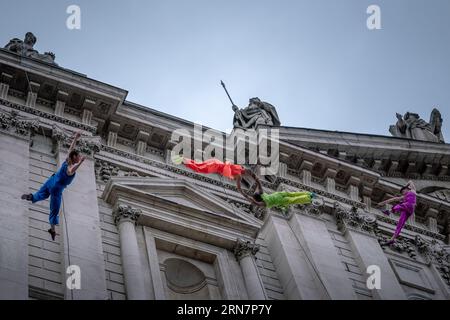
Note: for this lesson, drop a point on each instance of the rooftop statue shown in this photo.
(411, 126)
(25, 48)
(256, 113)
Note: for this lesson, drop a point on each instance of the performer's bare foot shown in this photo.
(387, 243)
(28, 197)
(52, 233)
(386, 212)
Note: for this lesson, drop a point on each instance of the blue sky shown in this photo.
(315, 60)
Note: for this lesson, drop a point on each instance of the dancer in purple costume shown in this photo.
(405, 208)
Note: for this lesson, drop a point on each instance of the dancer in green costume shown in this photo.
(280, 199)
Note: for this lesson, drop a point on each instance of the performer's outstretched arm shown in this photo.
(73, 168)
(74, 141)
(394, 199)
(238, 185)
(259, 188)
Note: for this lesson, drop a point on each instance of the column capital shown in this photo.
(126, 213)
(355, 220)
(244, 248)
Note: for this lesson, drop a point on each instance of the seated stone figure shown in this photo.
(25, 48)
(256, 113)
(411, 126)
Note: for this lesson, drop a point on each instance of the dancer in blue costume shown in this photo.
(55, 185)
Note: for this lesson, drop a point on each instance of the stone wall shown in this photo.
(111, 249)
(45, 269)
(269, 276)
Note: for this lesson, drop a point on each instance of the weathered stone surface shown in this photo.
(130, 210)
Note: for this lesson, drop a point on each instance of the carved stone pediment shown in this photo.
(180, 207)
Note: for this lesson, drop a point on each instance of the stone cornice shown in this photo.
(323, 193)
(68, 77)
(48, 116)
(196, 176)
(362, 142)
(222, 184)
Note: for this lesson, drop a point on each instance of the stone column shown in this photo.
(360, 230)
(245, 253)
(125, 218)
(14, 168)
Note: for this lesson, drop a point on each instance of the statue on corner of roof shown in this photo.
(25, 48)
(411, 126)
(256, 113)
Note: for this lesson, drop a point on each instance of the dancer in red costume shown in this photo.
(225, 169)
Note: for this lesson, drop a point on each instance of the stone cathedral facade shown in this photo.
(139, 227)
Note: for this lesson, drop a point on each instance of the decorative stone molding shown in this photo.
(315, 209)
(355, 220)
(105, 170)
(258, 212)
(244, 248)
(401, 245)
(126, 142)
(432, 251)
(87, 146)
(47, 115)
(16, 124)
(72, 111)
(126, 213)
(154, 151)
(425, 232)
(273, 186)
(320, 192)
(436, 254)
